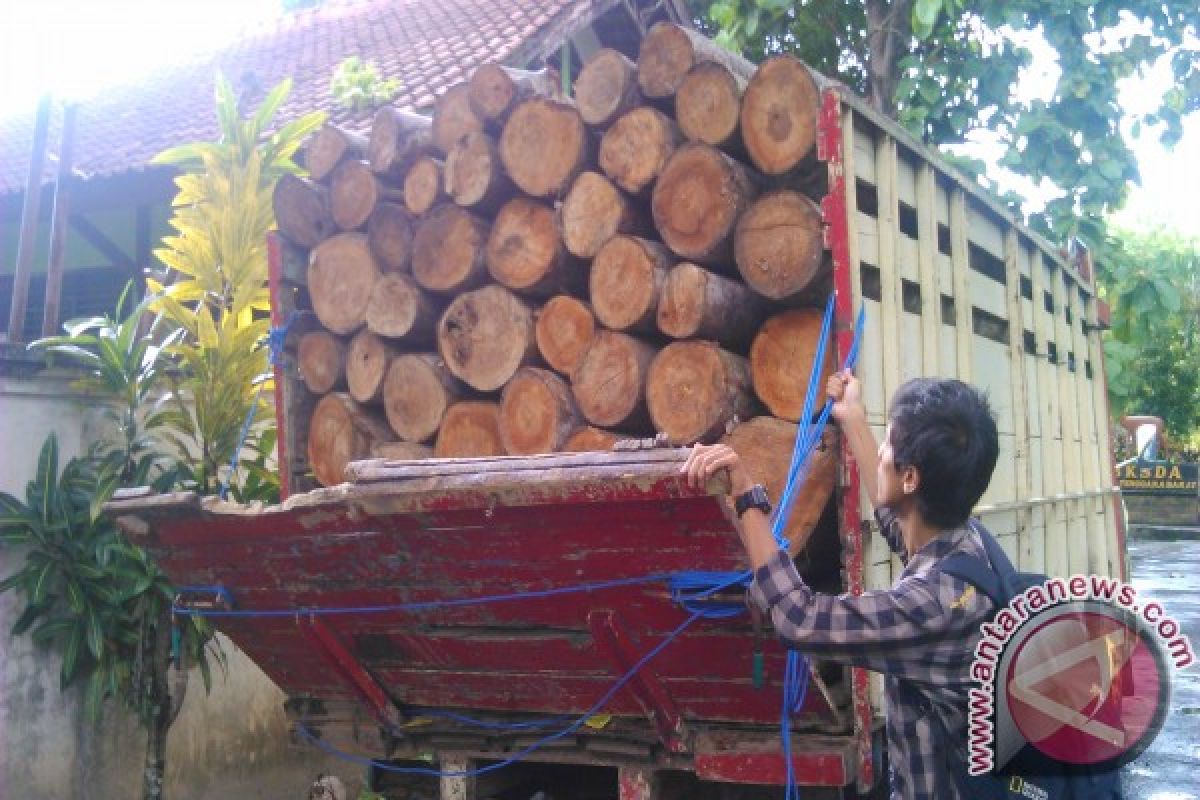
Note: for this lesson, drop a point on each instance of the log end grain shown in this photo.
(473, 175)
(321, 358)
(696, 303)
(681, 306)
(390, 232)
(341, 431)
(544, 146)
(366, 365)
(401, 451)
(635, 149)
(330, 146)
(626, 279)
(592, 213)
(417, 391)
(588, 439)
(485, 336)
(537, 412)
(448, 250)
(423, 185)
(564, 331)
(491, 91)
(609, 384)
(779, 114)
(695, 389)
(398, 138)
(708, 104)
(398, 309)
(470, 429)
(302, 211)
(781, 360)
(353, 192)
(697, 201)
(341, 274)
(524, 245)
(453, 118)
(606, 88)
(779, 244)
(665, 56)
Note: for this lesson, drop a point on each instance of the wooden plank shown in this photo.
(1104, 450)
(1020, 395)
(931, 293)
(891, 291)
(1089, 439)
(453, 785)
(1075, 529)
(961, 296)
(1051, 422)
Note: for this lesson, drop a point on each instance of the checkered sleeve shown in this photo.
(889, 528)
(890, 630)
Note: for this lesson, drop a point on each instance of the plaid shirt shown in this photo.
(923, 630)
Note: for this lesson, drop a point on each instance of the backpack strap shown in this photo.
(994, 579)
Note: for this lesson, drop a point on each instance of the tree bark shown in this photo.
(423, 185)
(367, 364)
(537, 412)
(610, 382)
(764, 446)
(695, 389)
(470, 429)
(354, 191)
(474, 176)
(390, 234)
(341, 274)
(636, 148)
(593, 212)
(626, 279)
(697, 304)
(564, 332)
(448, 250)
(607, 87)
(587, 439)
(697, 201)
(321, 359)
(525, 251)
(779, 114)
(485, 336)
(417, 391)
(779, 244)
(544, 146)
(341, 431)
(159, 657)
(668, 51)
(399, 309)
(453, 118)
(398, 139)
(302, 211)
(781, 359)
(708, 105)
(330, 146)
(401, 451)
(495, 90)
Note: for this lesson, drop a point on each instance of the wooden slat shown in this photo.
(931, 294)
(891, 298)
(962, 298)
(1020, 395)
(1089, 440)
(1076, 528)
(1104, 446)
(1051, 424)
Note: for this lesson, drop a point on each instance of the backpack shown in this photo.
(1031, 774)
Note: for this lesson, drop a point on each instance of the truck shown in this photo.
(449, 615)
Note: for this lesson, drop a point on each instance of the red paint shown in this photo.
(809, 768)
(345, 664)
(635, 783)
(834, 208)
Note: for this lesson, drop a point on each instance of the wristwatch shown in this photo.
(756, 497)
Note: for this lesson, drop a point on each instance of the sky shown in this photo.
(77, 47)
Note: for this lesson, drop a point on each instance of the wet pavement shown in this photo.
(1166, 568)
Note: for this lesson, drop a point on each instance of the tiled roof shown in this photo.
(427, 44)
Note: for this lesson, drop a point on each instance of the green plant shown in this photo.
(357, 85)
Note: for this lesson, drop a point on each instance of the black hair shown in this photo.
(946, 429)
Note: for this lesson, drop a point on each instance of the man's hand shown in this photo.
(846, 393)
(704, 461)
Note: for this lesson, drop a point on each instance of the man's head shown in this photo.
(940, 450)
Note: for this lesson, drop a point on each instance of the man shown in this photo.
(936, 460)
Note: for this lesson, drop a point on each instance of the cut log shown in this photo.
(401, 451)
(544, 146)
(453, 118)
(470, 429)
(302, 211)
(708, 105)
(390, 233)
(627, 276)
(592, 213)
(399, 309)
(695, 390)
(321, 361)
(367, 363)
(607, 87)
(330, 146)
(764, 445)
(354, 191)
(448, 250)
(525, 251)
(779, 244)
(588, 439)
(636, 148)
(417, 391)
(698, 304)
(564, 331)
(610, 383)
(495, 90)
(341, 431)
(474, 176)
(398, 139)
(485, 336)
(423, 185)
(697, 201)
(341, 274)
(781, 359)
(667, 53)
(779, 114)
(537, 412)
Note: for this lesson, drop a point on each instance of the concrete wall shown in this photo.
(232, 743)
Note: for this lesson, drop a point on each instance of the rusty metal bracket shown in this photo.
(344, 663)
(612, 639)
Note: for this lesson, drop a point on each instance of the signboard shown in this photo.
(1158, 477)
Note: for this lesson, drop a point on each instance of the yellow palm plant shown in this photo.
(215, 288)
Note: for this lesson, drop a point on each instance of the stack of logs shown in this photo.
(525, 273)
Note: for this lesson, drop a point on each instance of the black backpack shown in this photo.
(1030, 774)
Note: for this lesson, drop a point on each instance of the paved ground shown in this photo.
(1166, 568)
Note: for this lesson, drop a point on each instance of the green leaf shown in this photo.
(47, 476)
(70, 663)
(95, 636)
(924, 16)
(27, 618)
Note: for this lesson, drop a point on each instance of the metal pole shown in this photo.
(59, 223)
(29, 220)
